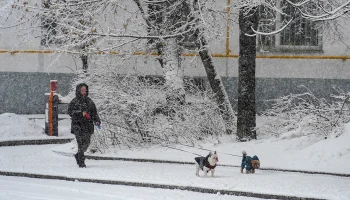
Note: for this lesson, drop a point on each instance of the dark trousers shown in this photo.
(83, 140)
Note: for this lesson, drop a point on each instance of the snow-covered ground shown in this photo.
(40, 159)
(22, 127)
(288, 152)
(16, 188)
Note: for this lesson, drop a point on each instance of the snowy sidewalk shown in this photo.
(41, 160)
(292, 150)
(19, 188)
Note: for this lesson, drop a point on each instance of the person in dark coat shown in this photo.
(250, 163)
(84, 115)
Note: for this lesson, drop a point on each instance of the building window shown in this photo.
(300, 35)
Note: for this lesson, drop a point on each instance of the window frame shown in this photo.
(276, 39)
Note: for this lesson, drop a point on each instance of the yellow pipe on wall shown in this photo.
(195, 54)
(302, 57)
(225, 55)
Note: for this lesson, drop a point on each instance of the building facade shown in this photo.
(301, 54)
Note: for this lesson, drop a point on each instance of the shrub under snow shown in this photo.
(306, 114)
(135, 112)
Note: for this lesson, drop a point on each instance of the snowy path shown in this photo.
(17, 188)
(41, 160)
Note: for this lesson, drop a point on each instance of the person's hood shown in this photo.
(77, 90)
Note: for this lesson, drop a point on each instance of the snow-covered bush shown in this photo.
(134, 110)
(306, 114)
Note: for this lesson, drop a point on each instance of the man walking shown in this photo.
(84, 115)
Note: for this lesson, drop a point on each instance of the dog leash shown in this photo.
(198, 148)
(211, 150)
(185, 146)
(182, 150)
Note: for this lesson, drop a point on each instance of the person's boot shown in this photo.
(82, 161)
(76, 158)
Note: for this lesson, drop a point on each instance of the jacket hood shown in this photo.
(77, 90)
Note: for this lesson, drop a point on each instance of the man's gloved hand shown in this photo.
(86, 115)
(241, 170)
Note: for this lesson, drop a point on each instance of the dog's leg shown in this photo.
(212, 172)
(205, 170)
(197, 169)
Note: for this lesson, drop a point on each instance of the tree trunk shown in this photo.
(214, 78)
(217, 87)
(159, 16)
(173, 71)
(246, 118)
(154, 22)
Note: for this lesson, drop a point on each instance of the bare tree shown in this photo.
(94, 26)
(214, 79)
(246, 119)
(275, 19)
(186, 21)
(186, 17)
(59, 21)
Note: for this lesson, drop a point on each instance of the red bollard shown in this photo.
(53, 85)
(51, 112)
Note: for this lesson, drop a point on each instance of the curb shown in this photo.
(160, 186)
(191, 163)
(34, 142)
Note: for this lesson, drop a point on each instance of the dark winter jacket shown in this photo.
(203, 162)
(77, 106)
(246, 162)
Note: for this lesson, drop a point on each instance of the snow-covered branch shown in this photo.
(306, 114)
(321, 11)
(140, 36)
(270, 33)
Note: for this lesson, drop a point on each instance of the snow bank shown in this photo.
(16, 126)
(20, 127)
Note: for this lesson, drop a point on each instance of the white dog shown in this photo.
(206, 163)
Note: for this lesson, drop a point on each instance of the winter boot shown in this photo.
(76, 158)
(80, 158)
(82, 161)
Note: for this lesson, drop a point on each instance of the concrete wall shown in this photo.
(272, 88)
(24, 92)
